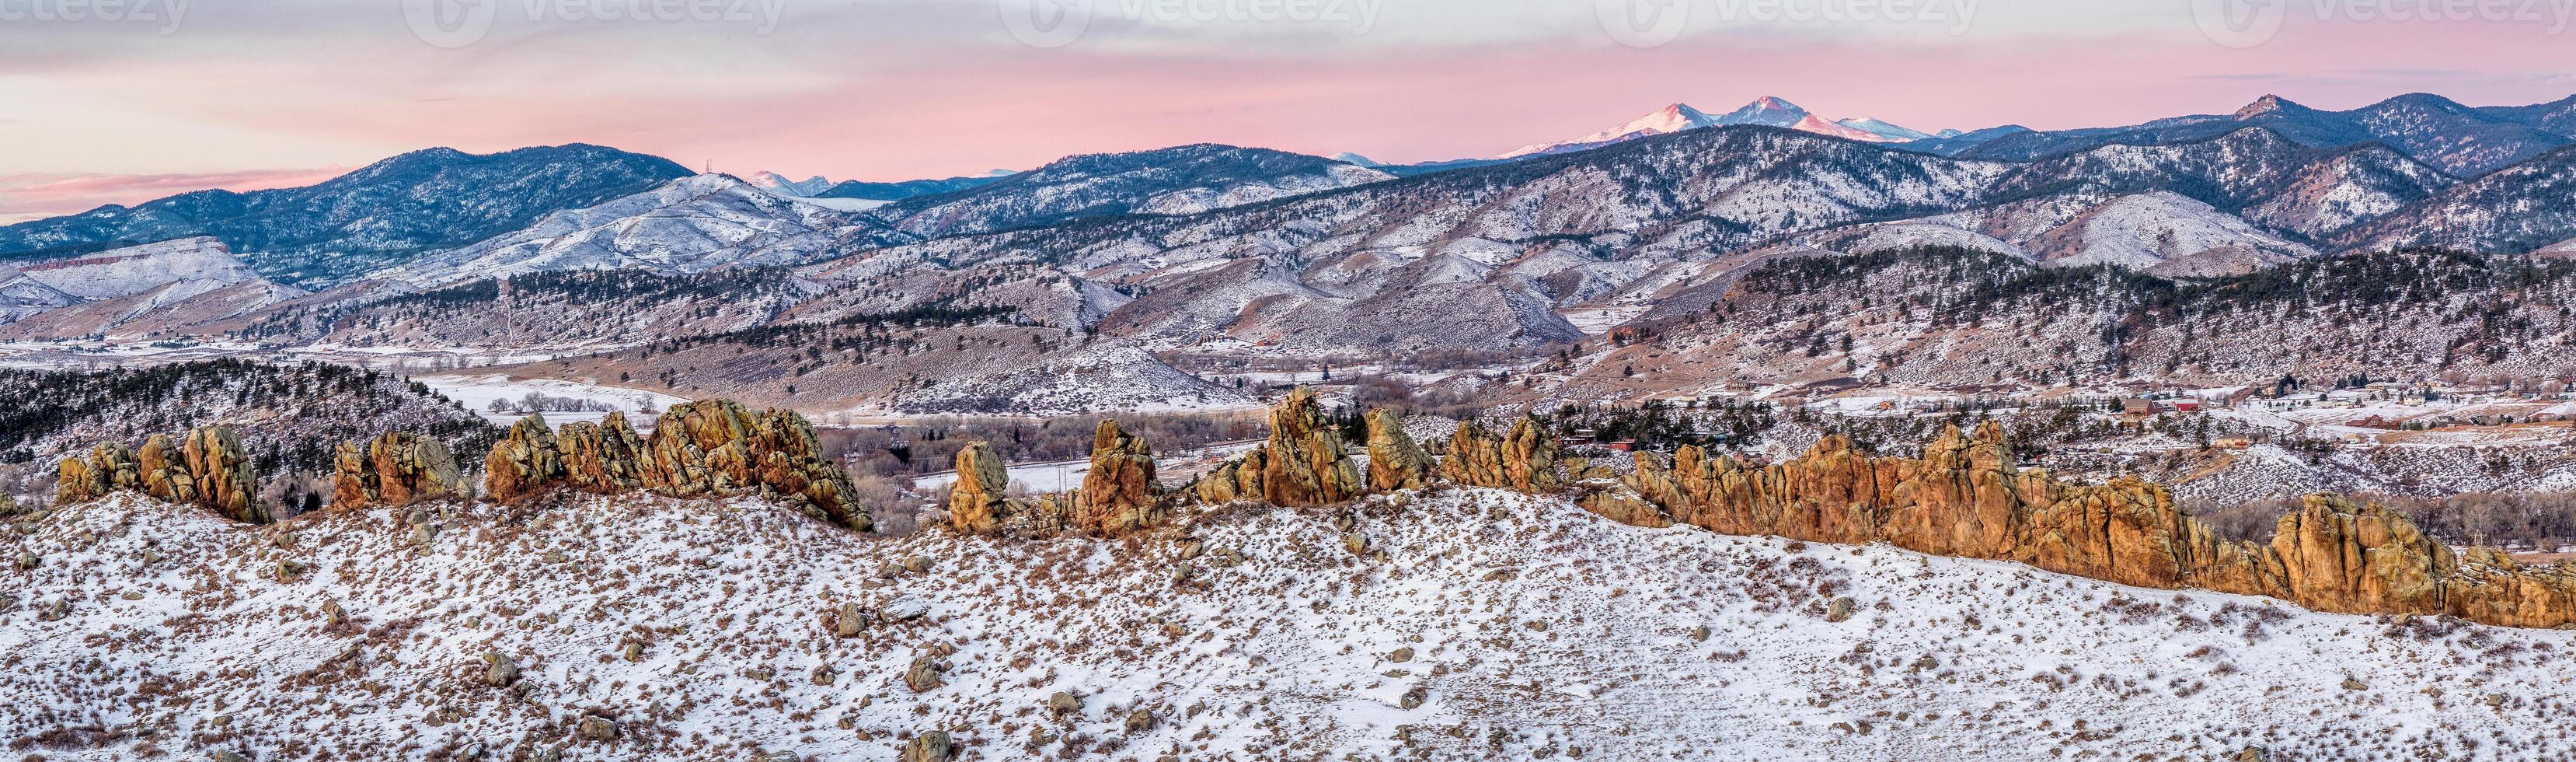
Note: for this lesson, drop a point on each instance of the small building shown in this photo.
(1624, 445)
(2186, 406)
(2138, 406)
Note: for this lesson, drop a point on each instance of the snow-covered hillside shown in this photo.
(693, 224)
(135, 269)
(1479, 625)
(98, 291)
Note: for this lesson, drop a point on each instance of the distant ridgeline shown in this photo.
(288, 415)
(605, 299)
(2415, 314)
(1965, 497)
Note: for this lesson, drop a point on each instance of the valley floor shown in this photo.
(1524, 627)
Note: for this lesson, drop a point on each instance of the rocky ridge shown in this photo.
(1965, 497)
(209, 470)
(708, 448)
(397, 469)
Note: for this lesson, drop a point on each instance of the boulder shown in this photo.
(977, 502)
(933, 746)
(396, 469)
(1303, 463)
(1395, 460)
(923, 675)
(1119, 496)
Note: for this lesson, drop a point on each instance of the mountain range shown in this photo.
(1766, 111)
(1213, 251)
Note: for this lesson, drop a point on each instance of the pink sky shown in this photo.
(896, 89)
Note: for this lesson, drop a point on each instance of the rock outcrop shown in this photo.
(707, 448)
(603, 457)
(209, 470)
(715, 447)
(525, 463)
(1395, 460)
(1303, 463)
(1966, 497)
(396, 469)
(1119, 496)
(1522, 460)
(977, 501)
(108, 467)
(1234, 481)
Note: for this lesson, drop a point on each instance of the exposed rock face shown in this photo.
(1523, 460)
(1965, 497)
(1239, 479)
(715, 447)
(525, 463)
(1120, 495)
(107, 468)
(1303, 462)
(1395, 460)
(163, 471)
(395, 469)
(209, 470)
(977, 501)
(603, 457)
(223, 475)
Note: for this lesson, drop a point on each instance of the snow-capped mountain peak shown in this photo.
(1768, 111)
(779, 184)
(1347, 157)
(2270, 104)
(1677, 117)
(1888, 131)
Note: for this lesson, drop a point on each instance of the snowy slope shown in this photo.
(779, 184)
(1766, 111)
(136, 269)
(2165, 234)
(693, 224)
(1494, 626)
(1671, 119)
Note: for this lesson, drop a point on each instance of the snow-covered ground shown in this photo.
(1043, 478)
(1599, 321)
(478, 391)
(1493, 626)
